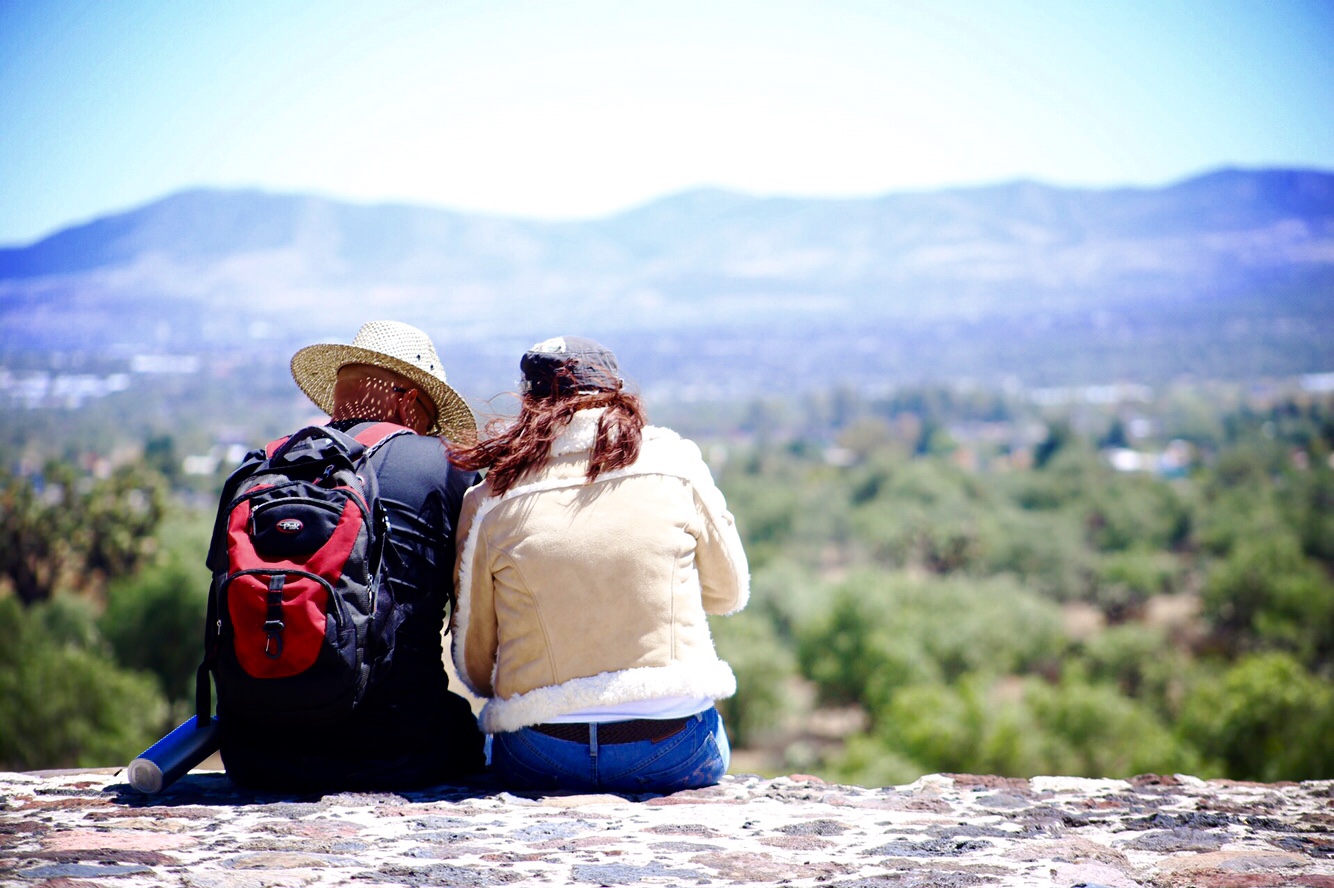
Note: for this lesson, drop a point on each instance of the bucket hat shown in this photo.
(394, 346)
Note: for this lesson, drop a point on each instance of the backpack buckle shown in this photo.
(273, 626)
(273, 639)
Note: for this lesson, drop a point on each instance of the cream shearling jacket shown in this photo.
(574, 594)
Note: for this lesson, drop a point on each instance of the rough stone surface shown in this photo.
(84, 828)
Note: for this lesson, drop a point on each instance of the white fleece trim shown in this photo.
(463, 597)
(664, 452)
(580, 434)
(712, 679)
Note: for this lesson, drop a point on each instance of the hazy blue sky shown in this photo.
(576, 109)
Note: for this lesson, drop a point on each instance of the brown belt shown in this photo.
(632, 731)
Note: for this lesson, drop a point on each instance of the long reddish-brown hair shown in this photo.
(513, 450)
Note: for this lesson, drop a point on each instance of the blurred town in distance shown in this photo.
(1136, 448)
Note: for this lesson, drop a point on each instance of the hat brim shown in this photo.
(315, 370)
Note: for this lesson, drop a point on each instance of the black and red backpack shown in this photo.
(295, 606)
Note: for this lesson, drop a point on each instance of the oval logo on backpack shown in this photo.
(289, 525)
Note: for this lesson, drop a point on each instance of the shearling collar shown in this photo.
(581, 434)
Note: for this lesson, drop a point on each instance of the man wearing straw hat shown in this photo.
(411, 730)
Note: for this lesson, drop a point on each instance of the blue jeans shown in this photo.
(695, 756)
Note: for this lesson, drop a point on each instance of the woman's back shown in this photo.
(598, 577)
(590, 558)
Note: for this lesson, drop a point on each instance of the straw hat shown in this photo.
(394, 346)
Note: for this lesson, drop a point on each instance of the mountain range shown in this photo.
(1228, 274)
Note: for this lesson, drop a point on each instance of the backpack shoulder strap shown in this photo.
(375, 435)
(370, 437)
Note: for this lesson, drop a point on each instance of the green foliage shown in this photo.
(1143, 663)
(154, 620)
(1135, 511)
(64, 703)
(68, 620)
(924, 513)
(117, 517)
(160, 455)
(1267, 594)
(764, 668)
(887, 631)
(1122, 582)
(1045, 550)
(35, 530)
(788, 594)
(1239, 502)
(868, 761)
(1265, 718)
(1059, 437)
(960, 728)
(1307, 503)
(62, 526)
(793, 507)
(67, 697)
(1092, 729)
(855, 655)
(923, 593)
(980, 725)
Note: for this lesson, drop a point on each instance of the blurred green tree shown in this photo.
(160, 454)
(64, 527)
(36, 523)
(887, 631)
(1267, 594)
(764, 668)
(1143, 663)
(1091, 729)
(154, 619)
(1017, 728)
(63, 701)
(117, 517)
(1266, 718)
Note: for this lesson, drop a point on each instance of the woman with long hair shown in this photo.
(591, 554)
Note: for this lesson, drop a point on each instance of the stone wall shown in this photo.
(78, 829)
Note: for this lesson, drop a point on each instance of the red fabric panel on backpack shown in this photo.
(304, 615)
(305, 602)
